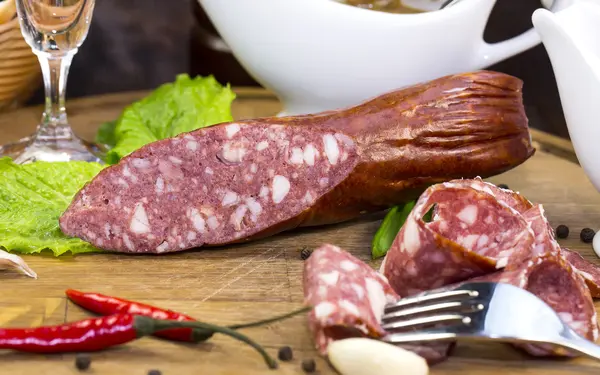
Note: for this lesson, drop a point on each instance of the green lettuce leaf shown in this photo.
(32, 198)
(106, 134)
(173, 108)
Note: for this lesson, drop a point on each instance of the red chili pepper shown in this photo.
(104, 332)
(106, 305)
(85, 335)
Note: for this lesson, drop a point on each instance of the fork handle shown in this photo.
(578, 343)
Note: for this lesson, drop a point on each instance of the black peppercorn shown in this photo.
(562, 231)
(154, 372)
(587, 235)
(83, 361)
(305, 253)
(503, 186)
(309, 365)
(285, 353)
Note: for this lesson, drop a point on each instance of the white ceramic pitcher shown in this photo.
(319, 55)
(572, 39)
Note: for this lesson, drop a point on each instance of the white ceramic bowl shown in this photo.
(319, 55)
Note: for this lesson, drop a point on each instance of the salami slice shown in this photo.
(511, 198)
(552, 278)
(544, 241)
(471, 234)
(348, 298)
(227, 183)
(588, 270)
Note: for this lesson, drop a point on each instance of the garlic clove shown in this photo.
(14, 261)
(363, 356)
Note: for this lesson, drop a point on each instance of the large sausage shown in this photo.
(225, 184)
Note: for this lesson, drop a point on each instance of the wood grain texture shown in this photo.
(251, 281)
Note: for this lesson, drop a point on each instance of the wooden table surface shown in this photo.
(252, 281)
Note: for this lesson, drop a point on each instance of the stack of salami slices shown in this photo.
(477, 231)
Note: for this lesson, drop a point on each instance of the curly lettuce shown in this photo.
(174, 108)
(32, 198)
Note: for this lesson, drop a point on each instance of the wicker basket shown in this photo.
(20, 74)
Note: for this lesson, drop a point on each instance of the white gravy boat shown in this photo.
(318, 55)
(572, 40)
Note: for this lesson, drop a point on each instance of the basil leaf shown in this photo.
(390, 226)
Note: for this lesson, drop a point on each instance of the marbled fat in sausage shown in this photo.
(348, 299)
(213, 186)
(471, 234)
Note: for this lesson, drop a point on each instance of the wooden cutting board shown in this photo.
(257, 280)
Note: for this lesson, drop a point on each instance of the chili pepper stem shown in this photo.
(203, 335)
(200, 335)
(270, 320)
(147, 326)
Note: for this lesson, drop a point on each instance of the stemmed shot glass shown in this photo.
(54, 29)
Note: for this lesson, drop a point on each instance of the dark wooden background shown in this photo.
(139, 44)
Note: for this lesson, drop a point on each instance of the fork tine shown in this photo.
(430, 297)
(434, 334)
(459, 306)
(428, 320)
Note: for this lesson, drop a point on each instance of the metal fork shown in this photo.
(481, 311)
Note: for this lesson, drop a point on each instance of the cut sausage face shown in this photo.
(212, 186)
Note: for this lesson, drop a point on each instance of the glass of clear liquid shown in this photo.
(54, 29)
